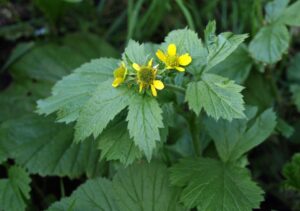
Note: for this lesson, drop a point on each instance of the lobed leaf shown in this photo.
(144, 120)
(212, 185)
(237, 137)
(218, 96)
(70, 94)
(46, 148)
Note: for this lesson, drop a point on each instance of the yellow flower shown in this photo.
(119, 75)
(172, 60)
(146, 76)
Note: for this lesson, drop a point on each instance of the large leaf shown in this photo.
(187, 41)
(291, 15)
(138, 187)
(57, 60)
(100, 109)
(233, 139)
(144, 120)
(47, 148)
(145, 187)
(94, 195)
(215, 186)
(236, 66)
(14, 191)
(220, 97)
(270, 43)
(115, 143)
(71, 93)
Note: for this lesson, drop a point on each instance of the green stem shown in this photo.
(186, 14)
(175, 88)
(194, 129)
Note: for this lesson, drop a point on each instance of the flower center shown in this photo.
(172, 61)
(146, 75)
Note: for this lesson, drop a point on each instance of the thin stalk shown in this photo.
(62, 188)
(175, 88)
(186, 14)
(194, 129)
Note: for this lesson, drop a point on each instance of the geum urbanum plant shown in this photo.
(128, 106)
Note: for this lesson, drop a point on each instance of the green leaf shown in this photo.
(291, 15)
(187, 41)
(20, 98)
(233, 139)
(270, 43)
(274, 9)
(284, 128)
(59, 59)
(71, 93)
(136, 53)
(291, 172)
(145, 187)
(223, 45)
(295, 89)
(93, 195)
(115, 143)
(215, 186)
(47, 148)
(220, 97)
(144, 120)
(236, 66)
(100, 109)
(14, 191)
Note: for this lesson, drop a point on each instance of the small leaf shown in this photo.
(187, 41)
(71, 93)
(144, 120)
(220, 97)
(93, 195)
(274, 9)
(224, 44)
(270, 43)
(212, 185)
(291, 15)
(284, 128)
(291, 172)
(233, 139)
(46, 148)
(14, 191)
(100, 109)
(136, 53)
(145, 187)
(115, 143)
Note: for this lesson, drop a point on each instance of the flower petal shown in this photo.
(180, 69)
(185, 59)
(161, 56)
(172, 49)
(136, 66)
(141, 87)
(158, 84)
(117, 82)
(153, 90)
(150, 63)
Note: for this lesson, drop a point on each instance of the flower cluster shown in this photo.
(146, 75)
